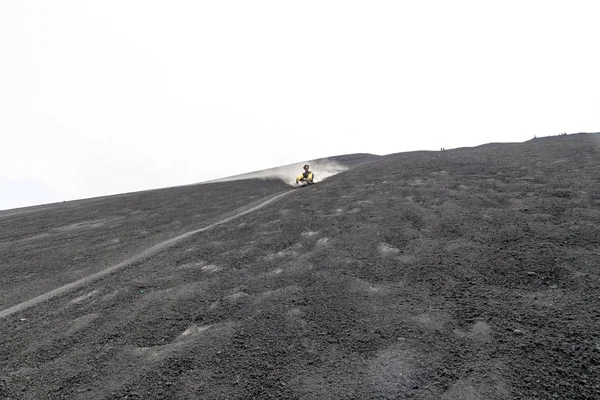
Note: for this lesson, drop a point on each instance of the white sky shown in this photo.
(102, 97)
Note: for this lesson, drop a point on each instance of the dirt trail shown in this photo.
(138, 257)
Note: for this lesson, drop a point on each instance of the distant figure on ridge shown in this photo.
(306, 177)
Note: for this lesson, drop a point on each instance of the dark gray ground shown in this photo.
(65, 242)
(463, 274)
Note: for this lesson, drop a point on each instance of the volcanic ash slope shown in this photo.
(462, 274)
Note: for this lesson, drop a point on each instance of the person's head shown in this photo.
(306, 167)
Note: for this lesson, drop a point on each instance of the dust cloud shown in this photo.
(322, 169)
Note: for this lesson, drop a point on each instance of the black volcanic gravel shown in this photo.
(64, 242)
(462, 274)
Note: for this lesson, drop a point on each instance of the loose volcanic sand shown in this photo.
(461, 274)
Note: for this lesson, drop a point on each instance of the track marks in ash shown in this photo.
(132, 260)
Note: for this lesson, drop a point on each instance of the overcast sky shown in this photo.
(102, 97)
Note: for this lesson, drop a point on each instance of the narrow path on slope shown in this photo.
(144, 254)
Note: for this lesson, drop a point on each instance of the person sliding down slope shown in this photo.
(306, 177)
